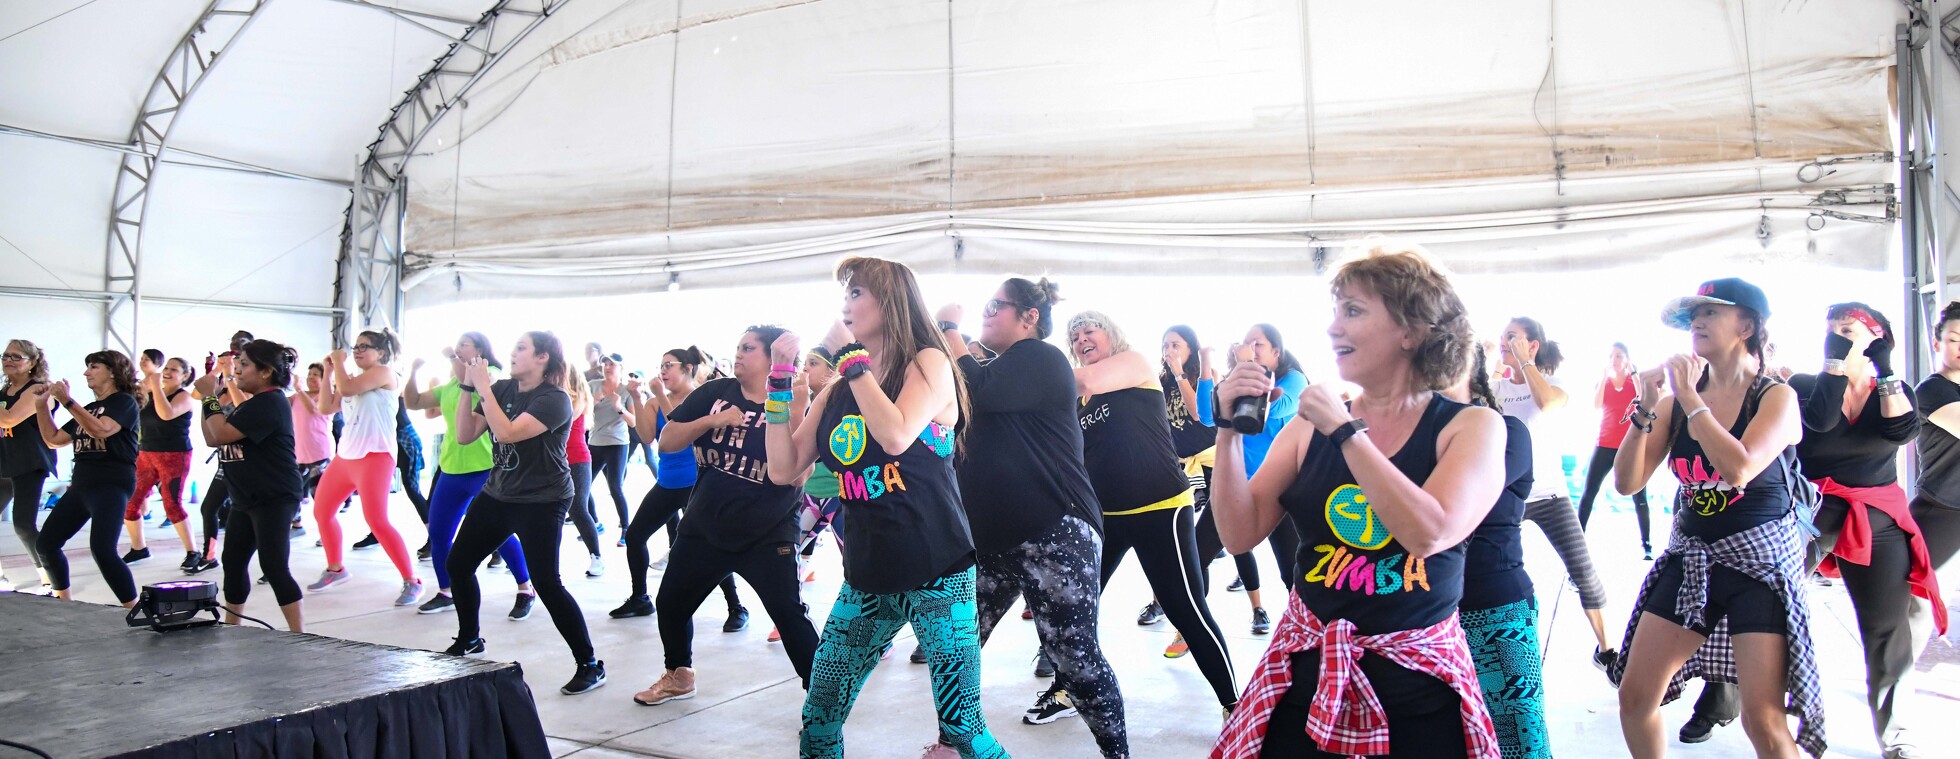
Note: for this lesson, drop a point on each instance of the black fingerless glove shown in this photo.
(1880, 353)
(1836, 347)
(213, 406)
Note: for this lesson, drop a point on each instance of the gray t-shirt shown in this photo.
(608, 427)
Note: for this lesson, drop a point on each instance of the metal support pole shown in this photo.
(1903, 79)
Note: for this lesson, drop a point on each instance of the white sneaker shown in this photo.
(659, 566)
(598, 567)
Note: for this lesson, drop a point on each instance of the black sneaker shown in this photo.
(1151, 614)
(423, 553)
(437, 604)
(365, 543)
(136, 555)
(1218, 556)
(191, 558)
(1237, 586)
(204, 564)
(587, 679)
(1261, 624)
(295, 532)
(637, 606)
(521, 609)
(918, 654)
(738, 620)
(465, 647)
(1699, 728)
(496, 560)
(1043, 666)
(1603, 659)
(1050, 705)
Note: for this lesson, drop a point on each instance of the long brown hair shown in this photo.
(546, 342)
(908, 325)
(120, 370)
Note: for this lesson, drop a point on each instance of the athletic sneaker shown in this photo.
(637, 606)
(1261, 624)
(1043, 666)
(940, 751)
(136, 555)
(328, 579)
(597, 568)
(368, 542)
(738, 620)
(1152, 614)
(1027, 612)
(191, 558)
(496, 560)
(465, 647)
(411, 592)
(1050, 705)
(296, 533)
(521, 609)
(1237, 586)
(659, 566)
(204, 564)
(622, 538)
(674, 685)
(588, 678)
(1177, 648)
(437, 604)
(918, 654)
(775, 635)
(424, 553)
(1603, 659)
(1220, 555)
(599, 527)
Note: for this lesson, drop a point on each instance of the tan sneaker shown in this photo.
(676, 685)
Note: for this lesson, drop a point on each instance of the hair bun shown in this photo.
(1050, 292)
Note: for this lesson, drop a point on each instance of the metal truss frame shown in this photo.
(198, 52)
(1923, 187)
(369, 277)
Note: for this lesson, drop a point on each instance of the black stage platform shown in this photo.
(76, 681)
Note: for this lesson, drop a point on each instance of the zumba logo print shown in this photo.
(1702, 489)
(847, 441)
(1353, 519)
(870, 484)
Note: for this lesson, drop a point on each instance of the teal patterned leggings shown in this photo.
(1504, 644)
(862, 624)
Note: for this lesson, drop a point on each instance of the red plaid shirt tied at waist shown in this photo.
(1347, 717)
(1854, 543)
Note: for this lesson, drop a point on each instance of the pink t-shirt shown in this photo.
(312, 432)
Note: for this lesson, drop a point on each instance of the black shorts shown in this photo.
(1751, 606)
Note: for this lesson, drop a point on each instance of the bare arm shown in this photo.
(679, 435)
(1548, 396)
(1446, 507)
(414, 396)
(928, 392)
(504, 429)
(20, 411)
(1123, 370)
(1248, 511)
(51, 436)
(1774, 428)
(218, 431)
(793, 447)
(1599, 394)
(168, 410)
(379, 375)
(326, 402)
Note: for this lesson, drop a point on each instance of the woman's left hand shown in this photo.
(838, 337)
(59, 390)
(480, 375)
(1683, 371)
(1323, 407)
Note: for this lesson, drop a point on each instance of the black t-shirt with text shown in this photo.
(1189, 436)
(114, 458)
(532, 470)
(734, 506)
(260, 469)
(21, 447)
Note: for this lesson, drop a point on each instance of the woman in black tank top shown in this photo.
(1146, 497)
(1384, 492)
(887, 429)
(1722, 427)
(163, 453)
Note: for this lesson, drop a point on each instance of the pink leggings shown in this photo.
(370, 476)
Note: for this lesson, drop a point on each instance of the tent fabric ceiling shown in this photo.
(736, 141)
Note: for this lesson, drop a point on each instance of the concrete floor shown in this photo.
(748, 702)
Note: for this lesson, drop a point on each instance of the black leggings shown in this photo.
(662, 508)
(261, 530)
(24, 492)
(217, 499)
(696, 567)
(610, 461)
(1602, 463)
(540, 530)
(1285, 542)
(581, 511)
(1166, 546)
(411, 475)
(99, 505)
(1209, 544)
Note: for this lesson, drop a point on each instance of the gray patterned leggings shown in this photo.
(1560, 522)
(1060, 574)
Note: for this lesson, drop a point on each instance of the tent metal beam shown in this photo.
(109, 296)
(368, 283)
(1922, 185)
(200, 50)
(204, 160)
(405, 14)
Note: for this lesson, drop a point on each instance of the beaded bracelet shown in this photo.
(853, 362)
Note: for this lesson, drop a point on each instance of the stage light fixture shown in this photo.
(168, 606)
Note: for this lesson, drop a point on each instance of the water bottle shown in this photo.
(1249, 413)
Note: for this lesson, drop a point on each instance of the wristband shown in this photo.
(946, 326)
(782, 395)
(1890, 386)
(782, 369)
(465, 388)
(1834, 365)
(775, 412)
(212, 405)
(780, 383)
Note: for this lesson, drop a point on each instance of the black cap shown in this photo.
(1680, 312)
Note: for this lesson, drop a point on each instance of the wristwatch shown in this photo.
(1343, 433)
(945, 325)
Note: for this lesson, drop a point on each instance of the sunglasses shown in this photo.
(996, 305)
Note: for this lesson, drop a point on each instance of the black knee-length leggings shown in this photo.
(1166, 545)
(264, 530)
(540, 530)
(696, 567)
(24, 492)
(217, 500)
(1209, 543)
(662, 508)
(98, 504)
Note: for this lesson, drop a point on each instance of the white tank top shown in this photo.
(370, 424)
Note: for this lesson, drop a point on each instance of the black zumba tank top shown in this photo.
(903, 523)
(1708, 506)
(1351, 567)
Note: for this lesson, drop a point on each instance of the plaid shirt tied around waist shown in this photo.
(1347, 717)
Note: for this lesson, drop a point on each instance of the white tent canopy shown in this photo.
(624, 144)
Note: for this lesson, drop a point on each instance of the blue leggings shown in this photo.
(1504, 643)
(447, 504)
(943, 615)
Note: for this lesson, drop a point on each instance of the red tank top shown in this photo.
(575, 450)
(1613, 413)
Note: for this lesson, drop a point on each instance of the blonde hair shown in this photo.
(1118, 342)
(38, 362)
